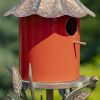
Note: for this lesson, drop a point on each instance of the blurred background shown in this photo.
(9, 45)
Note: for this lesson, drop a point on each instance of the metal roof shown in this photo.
(50, 8)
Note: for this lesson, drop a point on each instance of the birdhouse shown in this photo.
(50, 39)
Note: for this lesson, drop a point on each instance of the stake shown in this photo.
(41, 98)
(49, 94)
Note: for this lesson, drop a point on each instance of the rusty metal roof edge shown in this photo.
(72, 8)
(86, 9)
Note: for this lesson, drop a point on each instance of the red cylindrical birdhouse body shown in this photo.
(50, 39)
(48, 45)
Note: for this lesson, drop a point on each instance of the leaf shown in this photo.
(83, 96)
(79, 95)
(17, 81)
(9, 69)
(10, 98)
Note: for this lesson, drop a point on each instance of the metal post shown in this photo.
(49, 94)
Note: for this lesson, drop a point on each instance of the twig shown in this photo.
(30, 82)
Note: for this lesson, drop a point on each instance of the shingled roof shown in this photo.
(50, 8)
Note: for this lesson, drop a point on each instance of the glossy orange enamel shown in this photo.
(52, 53)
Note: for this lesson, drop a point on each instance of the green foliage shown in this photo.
(90, 34)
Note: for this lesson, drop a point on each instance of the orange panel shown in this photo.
(45, 43)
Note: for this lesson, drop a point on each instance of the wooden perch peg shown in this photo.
(81, 43)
